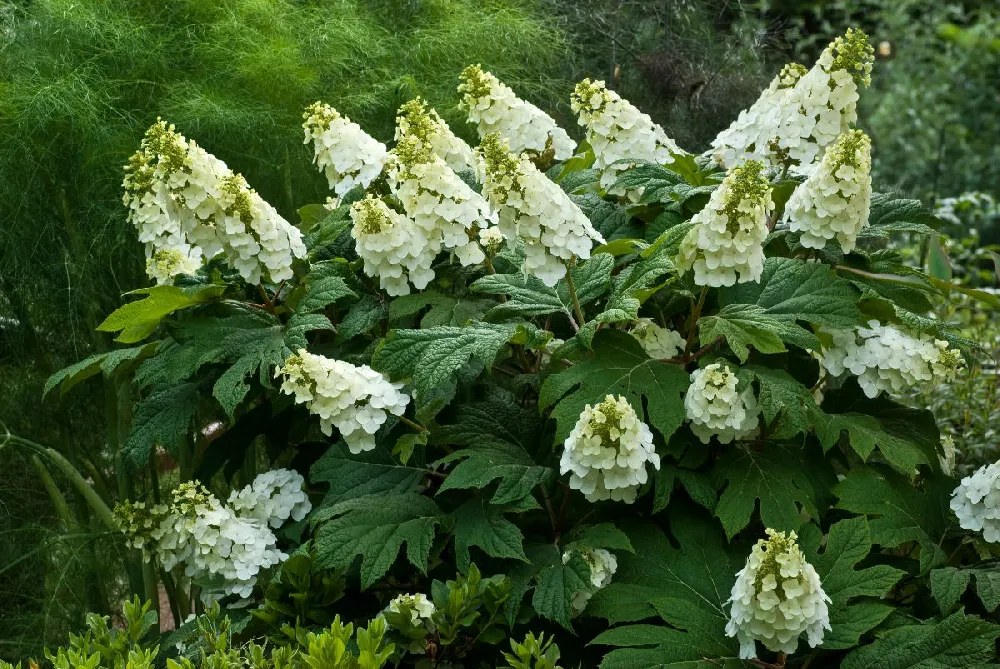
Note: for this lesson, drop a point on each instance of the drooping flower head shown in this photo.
(494, 108)
(213, 542)
(272, 498)
(616, 130)
(414, 118)
(392, 246)
(347, 155)
(607, 451)
(354, 399)
(450, 213)
(716, 407)
(796, 126)
(835, 200)
(537, 211)
(777, 596)
(603, 565)
(729, 232)
(188, 206)
(884, 357)
(976, 502)
(658, 342)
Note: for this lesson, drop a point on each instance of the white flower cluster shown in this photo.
(715, 406)
(353, 399)
(616, 130)
(658, 342)
(607, 451)
(750, 136)
(227, 545)
(603, 566)
(729, 232)
(976, 502)
(419, 607)
(799, 115)
(273, 497)
(536, 210)
(883, 357)
(347, 155)
(415, 119)
(392, 247)
(444, 207)
(494, 108)
(777, 596)
(187, 206)
(835, 200)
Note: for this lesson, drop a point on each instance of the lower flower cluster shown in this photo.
(717, 408)
(607, 451)
(354, 399)
(221, 546)
(777, 596)
(883, 357)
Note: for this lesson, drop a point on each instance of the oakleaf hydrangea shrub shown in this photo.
(658, 395)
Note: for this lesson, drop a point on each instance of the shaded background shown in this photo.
(81, 80)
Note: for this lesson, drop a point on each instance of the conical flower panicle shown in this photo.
(617, 130)
(415, 119)
(884, 357)
(346, 154)
(835, 200)
(187, 207)
(446, 208)
(777, 596)
(392, 246)
(727, 240)
(494, 108)
(716, 408)
(535, 210)
(794, 125)
(607, 451)
(354, 399)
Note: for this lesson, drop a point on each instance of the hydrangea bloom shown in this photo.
(353, 399)
(418, 606)
(796, 126)
(392, 246)
(976, 502)
(883, 357)
(616, 130)
(347, 155)
(729, 232)
(448, 211)
(717, 408)
(272, 497)
(658, 342)
(777, 596)
(213, 541)
(415, 119)
(536, 210)
(607, 451)
(187, 205)
(603, 566)
(836, 198)
(749, 137)
(494, 108)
